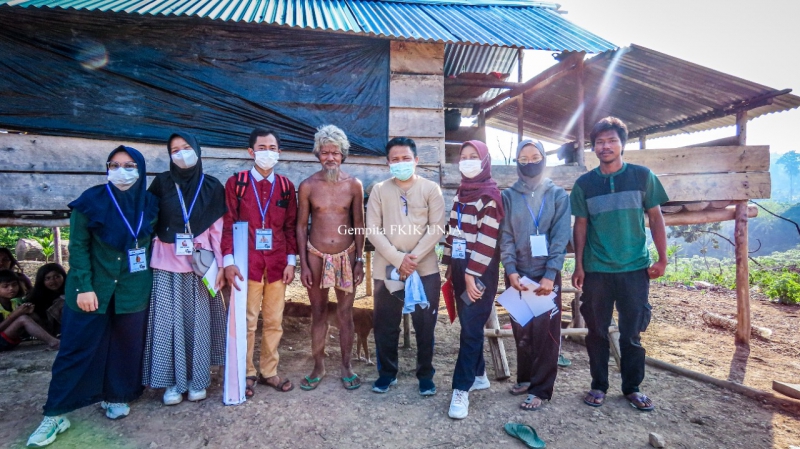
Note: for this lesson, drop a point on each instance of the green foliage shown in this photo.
(786, 288)
(48, 249)
(9, 236)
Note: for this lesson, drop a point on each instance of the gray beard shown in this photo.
(332, 175)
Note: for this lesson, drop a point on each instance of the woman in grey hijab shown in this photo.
(533, 241)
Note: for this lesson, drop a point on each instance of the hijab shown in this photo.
(41, 296)
(104, 218)
(482, 185)
(210, 205)
(527, 184)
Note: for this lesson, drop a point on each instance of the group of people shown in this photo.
(137, 313)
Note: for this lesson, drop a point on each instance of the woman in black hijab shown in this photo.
(49, 286)
(106, 296)
(186, 323)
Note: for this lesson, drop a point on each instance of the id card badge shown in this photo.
(137, 260)
(264, 239)
(184, 246)
(539, 245)
(459, 250)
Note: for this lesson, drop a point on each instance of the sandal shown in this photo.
(520, 388)
(524, 433)
(527, 404)
(310, 384)
(249, 391)
(279, 386)
(352, 382)
(641, 402)
(594, 398)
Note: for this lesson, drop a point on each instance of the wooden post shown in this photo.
(57, 257)
(497, 348)
(643, 142)
(368, 273)
(580, 129)
(406, 331)
(520, 100)
(742, 247)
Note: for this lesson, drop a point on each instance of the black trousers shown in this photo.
(473, 317)
(387, 315)
(538, 346)
(100, 360)
(630, 291)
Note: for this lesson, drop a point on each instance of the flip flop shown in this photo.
(518, 386)
(312, 383)
(250, 388)
(563, 361)
(524, 433)
(529, 401)
(278, 387)
(639, 398)
(348, 382)
(598, 395)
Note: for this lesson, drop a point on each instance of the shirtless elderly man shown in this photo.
(331, 254)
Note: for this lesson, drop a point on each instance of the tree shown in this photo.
(705, 234)
(791, 165)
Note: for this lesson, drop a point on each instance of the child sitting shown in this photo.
(14, 315)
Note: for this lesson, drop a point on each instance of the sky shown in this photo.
(752, 39)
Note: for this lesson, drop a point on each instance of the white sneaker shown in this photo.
(481, 383)
(115, 410)
(47, 431)
(172, 396)
(459, 405)
(197, 395)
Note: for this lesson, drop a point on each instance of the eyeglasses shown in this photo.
(405, 205)
(526, 161)
(116, 165)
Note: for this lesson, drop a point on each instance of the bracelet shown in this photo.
(359, 259)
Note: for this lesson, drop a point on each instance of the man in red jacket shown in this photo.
(267, 202)
(331, 253)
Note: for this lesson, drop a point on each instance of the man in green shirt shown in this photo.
(612, 262)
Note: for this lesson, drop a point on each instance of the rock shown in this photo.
(29, 249)
(702, 285)
(153, 444)
(656, 440)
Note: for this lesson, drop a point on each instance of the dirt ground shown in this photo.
(689, 414)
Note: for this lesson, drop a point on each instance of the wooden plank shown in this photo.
(705, 216)
(414, 57)
(416, 91)
(43, 154)
(718, 186)
(416, 122)
(698, 160)
(506, 175)
(497, 348)
(791, 390)
(430, 151)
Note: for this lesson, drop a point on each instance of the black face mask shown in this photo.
(530, 169)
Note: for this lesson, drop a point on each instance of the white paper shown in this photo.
(519, 310)
(210, 279)
(538, 304)
(236, 340)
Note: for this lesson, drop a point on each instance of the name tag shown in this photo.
(137, 260)
(459, 250)
(538, 245)
(184, 246)
(264, 239)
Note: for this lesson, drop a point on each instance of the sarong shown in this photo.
(336, 269)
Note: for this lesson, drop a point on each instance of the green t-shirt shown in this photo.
(14, 304)
(614, 206)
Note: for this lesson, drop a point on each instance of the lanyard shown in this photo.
(258, 201)
(186, 215)
(141, 217)
(535, 219)
(458, 212)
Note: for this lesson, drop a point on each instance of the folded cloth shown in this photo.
(415, 294)
(336, 269)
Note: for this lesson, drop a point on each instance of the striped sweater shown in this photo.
(480, 228)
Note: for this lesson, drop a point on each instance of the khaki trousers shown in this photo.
(269, 300)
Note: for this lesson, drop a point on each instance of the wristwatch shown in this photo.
(359, 259)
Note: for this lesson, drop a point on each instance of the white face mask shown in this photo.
(185, 158)
(266, 159)
(470, 167)
(123, 179)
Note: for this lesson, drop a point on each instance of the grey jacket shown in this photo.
(518, 226)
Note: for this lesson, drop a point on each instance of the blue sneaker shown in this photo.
(383, 383)
(427, 387)
(47, 431)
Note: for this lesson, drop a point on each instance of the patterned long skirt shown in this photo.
(185, 333)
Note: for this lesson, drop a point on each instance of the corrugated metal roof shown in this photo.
(653, 93)
(533, 25)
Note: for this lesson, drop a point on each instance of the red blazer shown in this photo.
(281, 218)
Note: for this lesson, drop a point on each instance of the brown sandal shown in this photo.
(249, 391)
(279, 387)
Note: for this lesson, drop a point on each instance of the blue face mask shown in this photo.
(402, 170)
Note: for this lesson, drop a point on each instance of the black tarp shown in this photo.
(115, 75)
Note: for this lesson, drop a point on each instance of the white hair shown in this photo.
(331, 134)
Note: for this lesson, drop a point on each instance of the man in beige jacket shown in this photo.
(405, 221)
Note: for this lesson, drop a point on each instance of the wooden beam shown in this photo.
(698, 160)
(742, 275)
(554, 72)
(705, 216)
(491, 84)
(791, 390)
(520, 99)
(34, 222)
(741, 126)
(643, 142)
(416, 57)
(580, 128)
(497, 347)
(717, 186)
